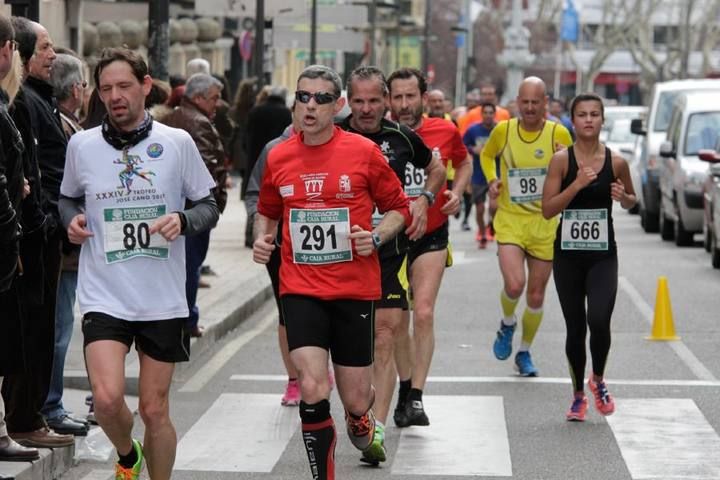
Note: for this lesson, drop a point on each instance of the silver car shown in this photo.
(711, 200)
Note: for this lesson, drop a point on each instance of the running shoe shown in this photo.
(122, 473)
(482, 245)
(399, 415)
(603, 401)
(524, 365)
(362, 430)
(415, 413)
(578, 409)
(479, 236)
(376, 453)
(465, 226)
(502, 348)
(490, 233)
(291, 398)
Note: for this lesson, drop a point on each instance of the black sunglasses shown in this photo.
(321, 98)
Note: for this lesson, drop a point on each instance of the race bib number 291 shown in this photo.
(127, 233)
(320, 236)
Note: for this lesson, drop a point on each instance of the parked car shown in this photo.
(711, 202)
(620, 112)
(654, 132)
(620, 139)
(694, 125)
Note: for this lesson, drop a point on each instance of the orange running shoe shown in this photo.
(578, 409)
(603, 401)
(362, 430)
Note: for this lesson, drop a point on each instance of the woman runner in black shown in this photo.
(582, 183)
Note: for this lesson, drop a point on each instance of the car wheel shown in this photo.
(715, 253)
(683, 238)
(666, 225)
(707, 240)
(648, 221)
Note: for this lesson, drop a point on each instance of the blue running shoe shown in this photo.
(524, 365)
(502, 348)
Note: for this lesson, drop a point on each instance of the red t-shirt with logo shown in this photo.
(320, 192)
(440, 133)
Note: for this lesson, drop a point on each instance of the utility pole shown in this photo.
(426, 39)
(259, 53)
(313, 33)
(29, 9)
(159, 38)
(372, 17)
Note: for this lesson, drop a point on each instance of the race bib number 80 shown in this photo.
(127, 233)
(320, 236)
(584, 230)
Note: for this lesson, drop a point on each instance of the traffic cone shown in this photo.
(663, 328)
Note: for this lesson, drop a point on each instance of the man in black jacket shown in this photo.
(39, 123)
(12, 191)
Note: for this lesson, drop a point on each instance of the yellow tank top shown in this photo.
(525, 157)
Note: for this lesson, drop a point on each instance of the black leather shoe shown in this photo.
(66, 426)
(10, 451)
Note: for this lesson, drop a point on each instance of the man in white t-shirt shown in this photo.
(123, 198)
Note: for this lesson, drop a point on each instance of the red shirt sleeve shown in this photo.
(270, 203)
(385, 188)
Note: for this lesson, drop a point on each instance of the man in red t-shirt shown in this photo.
(428, 256)
(330, 274)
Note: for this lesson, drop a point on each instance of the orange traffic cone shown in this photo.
(663, 327)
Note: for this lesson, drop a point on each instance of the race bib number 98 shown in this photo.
(526, 184)
(320, 236)
(127, 233)
(584, 230)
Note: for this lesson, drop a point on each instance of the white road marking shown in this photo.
(99, 475)
(680, 349)
(666, 438)
(449, 448)
(518, 379)
(207, 371)
(238, 433)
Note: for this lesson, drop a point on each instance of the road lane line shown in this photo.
(99, 475)
(207, 371)
(551, 380)
(448, 447)
(680, 349)
(240, 432)
(666, 438)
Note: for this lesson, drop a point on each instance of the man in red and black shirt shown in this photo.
(429, 255)
(330, 275)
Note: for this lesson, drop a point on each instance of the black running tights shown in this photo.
(578, 279)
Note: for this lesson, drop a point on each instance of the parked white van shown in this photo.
(694, 125)
(654, 132)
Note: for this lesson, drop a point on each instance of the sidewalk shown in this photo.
(240, 287)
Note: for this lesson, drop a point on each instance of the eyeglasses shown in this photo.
(321, 98)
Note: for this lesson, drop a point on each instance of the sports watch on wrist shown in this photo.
(376, 240)
(429, 196)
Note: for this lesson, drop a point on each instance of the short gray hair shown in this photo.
(200, 84)
(324, 73)
(67, 71)
(197, 65)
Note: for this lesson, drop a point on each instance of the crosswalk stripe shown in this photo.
(238, 433)
(513, 379)
(666, 438)
(474, 443)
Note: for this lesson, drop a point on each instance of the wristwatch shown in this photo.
(376, 240)
(429, 196)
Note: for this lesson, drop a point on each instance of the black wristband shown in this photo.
(429, 196)
(183, 221)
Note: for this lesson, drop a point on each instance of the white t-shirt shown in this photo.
(124, 271)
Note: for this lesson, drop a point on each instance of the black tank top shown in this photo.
(595, 196)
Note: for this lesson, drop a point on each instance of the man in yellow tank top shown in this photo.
(525, 146)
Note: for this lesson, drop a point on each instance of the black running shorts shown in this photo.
(344, 327)
(273, 269)
(434, 241)
(163, 340)
(393, 271)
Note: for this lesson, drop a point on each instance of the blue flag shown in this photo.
(570, 23)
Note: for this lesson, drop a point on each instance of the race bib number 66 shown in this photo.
(320, 236)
